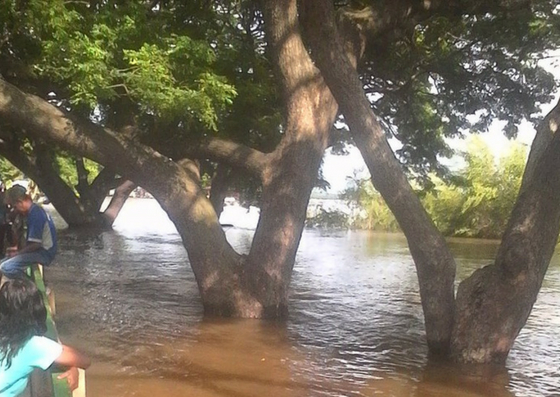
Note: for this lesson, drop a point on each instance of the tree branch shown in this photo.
(40, 120)
(178, 194)
(229, 153)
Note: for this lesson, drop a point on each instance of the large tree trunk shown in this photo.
(434, 263)
(287, 183)
(229, 284)
(215, 264)
(494, 302)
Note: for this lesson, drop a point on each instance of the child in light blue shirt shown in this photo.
(22, 346)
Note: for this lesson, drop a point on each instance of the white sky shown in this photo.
(337, 170)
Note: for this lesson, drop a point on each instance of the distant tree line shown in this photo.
(474, 201)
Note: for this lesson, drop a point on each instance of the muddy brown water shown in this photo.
(128, 298)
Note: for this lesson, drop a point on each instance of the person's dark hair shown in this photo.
(22, 315)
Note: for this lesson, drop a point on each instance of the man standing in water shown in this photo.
(40, 242)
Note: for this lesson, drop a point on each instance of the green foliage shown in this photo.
(373, 213)
(66, 165)
(8, 172)
(476, 204)
(431, 76)
(181, 70)
(480, 204)
(185, 70)
(114, 50)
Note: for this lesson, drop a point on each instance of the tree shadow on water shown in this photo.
(440, 379)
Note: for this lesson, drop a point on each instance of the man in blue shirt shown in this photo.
(40, 243)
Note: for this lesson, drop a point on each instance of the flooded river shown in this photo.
(128, 298)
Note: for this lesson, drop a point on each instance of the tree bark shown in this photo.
(229, 284)
(215, 264)
(495, 301)
(434, 263)
(543, 137)
(224, 152)
(310, 111)
(219, 188)
(82, 211)
(122, 192)
(88, 200)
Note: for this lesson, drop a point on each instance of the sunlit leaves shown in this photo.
(373, 213)
(172, 88)
(480, 203)
(66, 166)
(477, 204)
(112, 50)
(8, 172)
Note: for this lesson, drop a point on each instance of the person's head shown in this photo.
(22, 315)
(17, 198)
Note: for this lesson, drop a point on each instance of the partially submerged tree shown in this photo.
(491, 307)
(252, 285)
(154, 73)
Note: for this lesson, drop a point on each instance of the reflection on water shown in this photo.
(129, 298)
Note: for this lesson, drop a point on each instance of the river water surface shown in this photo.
(128, 298)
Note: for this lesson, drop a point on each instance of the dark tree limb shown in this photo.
(434, 263)
(228, 153)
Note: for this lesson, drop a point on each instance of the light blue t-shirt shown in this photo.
(38, 352)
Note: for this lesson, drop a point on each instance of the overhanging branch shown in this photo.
(229, 153)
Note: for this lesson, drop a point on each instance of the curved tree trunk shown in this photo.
(226, 286)
(288, 181)
(495, 301)
(122, 192)
(229, 284)
(543, 137)
(434, 263)
(82, 211)
(40, 169)
(215, 264)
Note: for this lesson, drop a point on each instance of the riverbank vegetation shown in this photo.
(473, 201)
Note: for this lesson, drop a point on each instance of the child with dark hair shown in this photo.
(22, 344)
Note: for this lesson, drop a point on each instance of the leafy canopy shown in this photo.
(101, 51)
(445, 73)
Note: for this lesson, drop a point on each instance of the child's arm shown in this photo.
(72, 358)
